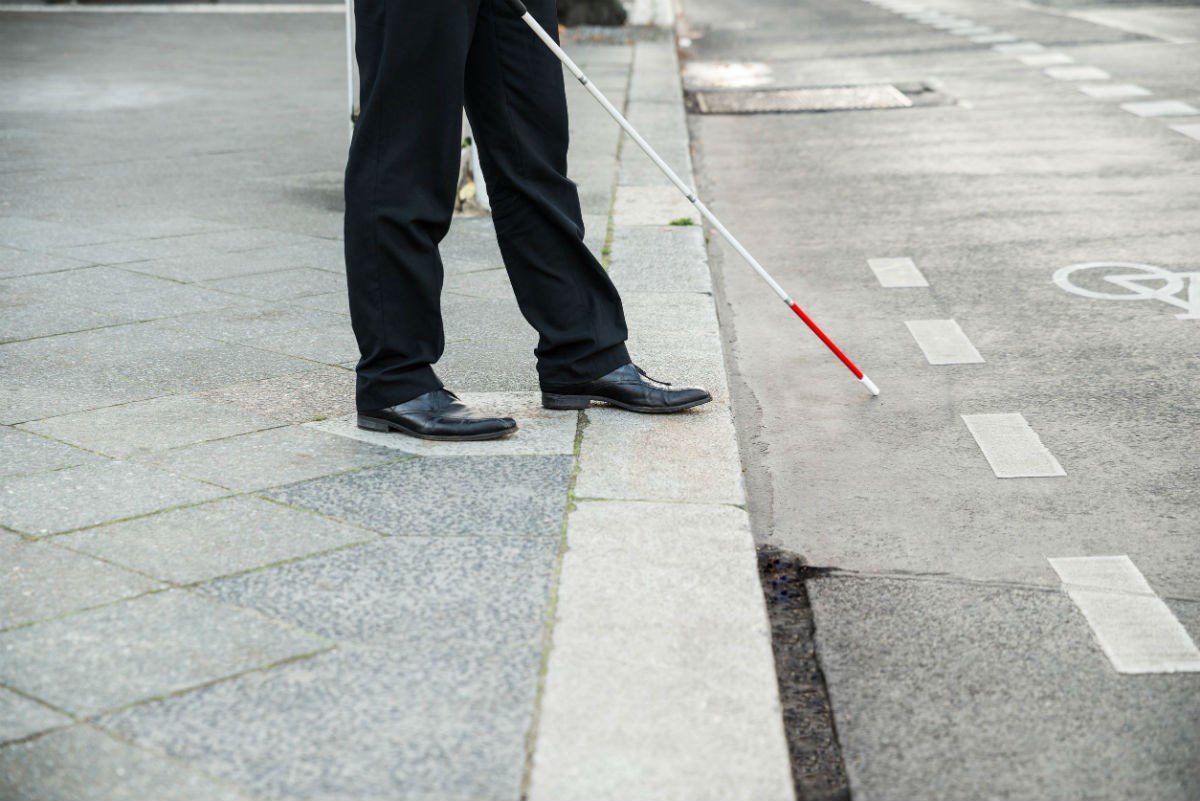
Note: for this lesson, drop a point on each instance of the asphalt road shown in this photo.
(957, 665)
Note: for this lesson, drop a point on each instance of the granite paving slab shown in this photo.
(40, 319)
(84, 764)
(14, 262)
(282, 284)
(29, 394)
(31, 234)
(154, 225)
(253, 320)
(635, 457)
(650, 205)
(408, 592)
(660, 259)
(131, 296)
(293, 398)
(143, 648)
(62, 500)
(151, 425)
(539, 431)
(443, 722)
(213, 539)
(23, 452)
(490, 365)
(271, 458)
(41, 580)
(333, 302)
(448, 496)
(21, 717)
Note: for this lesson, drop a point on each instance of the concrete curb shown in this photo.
(661, 680)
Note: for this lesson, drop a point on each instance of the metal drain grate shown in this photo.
(782, 101)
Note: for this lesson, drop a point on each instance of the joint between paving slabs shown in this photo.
(552, 610)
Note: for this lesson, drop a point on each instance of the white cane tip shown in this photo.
(869, 384)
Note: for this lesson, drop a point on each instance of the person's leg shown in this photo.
(400, 184)
(516, 103)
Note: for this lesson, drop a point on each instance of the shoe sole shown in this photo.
(575, 402)
(374, 424)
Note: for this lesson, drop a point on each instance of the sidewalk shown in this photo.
(215, 586)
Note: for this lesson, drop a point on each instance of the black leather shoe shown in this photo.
(627, 387)
(436, 415)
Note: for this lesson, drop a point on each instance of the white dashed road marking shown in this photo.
(994, 38)
(1114, 91)
(897, 273)
(1012, 448)
(943, 342)
(1077, 74)
(1188, 130)
(1136, 630)
(1161, 108)
(1046, 59)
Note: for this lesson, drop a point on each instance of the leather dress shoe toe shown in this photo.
(437, 415)
(627, 387)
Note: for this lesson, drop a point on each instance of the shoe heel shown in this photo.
(371, 424)
(551, 401)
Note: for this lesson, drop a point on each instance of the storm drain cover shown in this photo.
(781, 101)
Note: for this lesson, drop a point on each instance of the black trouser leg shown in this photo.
(400, 184)
(518, 111)
(415, 59)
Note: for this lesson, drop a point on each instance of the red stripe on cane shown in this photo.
(828, 342)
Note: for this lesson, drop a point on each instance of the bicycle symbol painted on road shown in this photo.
(1137, 282)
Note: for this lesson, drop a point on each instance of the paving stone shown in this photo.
(62, 500)
(143, 648)
(20, 717)
(150, 425)
(650, 205)
(331, 343)
(28, 394)
(83, 764)
(443, 721)
(41, 580)
(22, 452)
(271, 458)
(155, 225)
(282, 284)
(333, 302)
(293, 398)
(488, 320)
(30, 234)
(410, 591)
(539, 431)
(634, 457)
(15, 262)
(493, 365)
(49, 318)
(129, 296)
(452, 496)
(213, 539)
(664, 258)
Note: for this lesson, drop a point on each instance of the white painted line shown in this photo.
(177, 8)
(1188, 130)
(943, 342)
(1113, 91)
(1077, 74)
(1012, 448)
(897, 272)
(1161, 108)
(1046, 59)
(1135, 628)
(994, 38)
(1018, 48)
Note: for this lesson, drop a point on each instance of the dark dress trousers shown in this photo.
(420, 63)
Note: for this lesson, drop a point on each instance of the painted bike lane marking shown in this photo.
(1137, 631)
